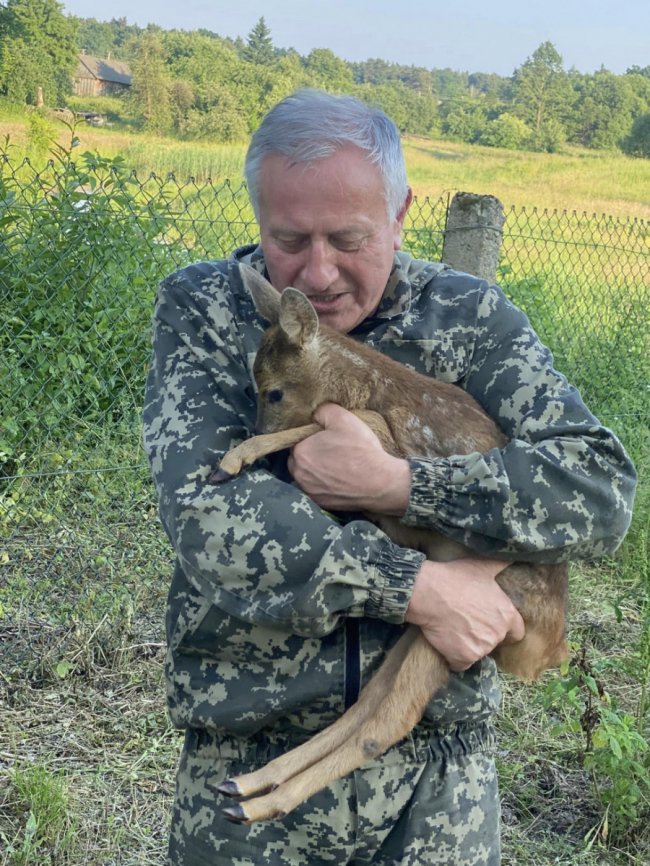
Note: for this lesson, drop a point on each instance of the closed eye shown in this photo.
(348, 243)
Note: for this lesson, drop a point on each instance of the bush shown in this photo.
(116, 109)
(506, 131)
(74, 345)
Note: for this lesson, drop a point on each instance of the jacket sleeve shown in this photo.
(256, 546)
(561, 488)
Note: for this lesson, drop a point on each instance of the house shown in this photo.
(98, 77)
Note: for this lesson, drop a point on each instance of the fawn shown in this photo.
(301, 364)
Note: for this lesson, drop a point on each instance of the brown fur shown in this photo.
(412, 415)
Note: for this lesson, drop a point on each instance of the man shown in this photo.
(278, 610)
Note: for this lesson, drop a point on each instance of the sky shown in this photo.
(466, 35)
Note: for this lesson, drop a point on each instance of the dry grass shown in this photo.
(83, 725)
(82, 713)
(581, 180)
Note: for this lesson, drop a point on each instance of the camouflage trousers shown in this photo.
(429, 801)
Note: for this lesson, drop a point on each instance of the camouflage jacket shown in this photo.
(278, 612)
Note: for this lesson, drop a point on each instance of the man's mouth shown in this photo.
(324, 302)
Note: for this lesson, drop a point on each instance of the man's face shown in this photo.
(325, 230)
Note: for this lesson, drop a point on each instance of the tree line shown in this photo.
(200, 85)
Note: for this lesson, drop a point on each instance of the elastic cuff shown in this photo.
(430, 477)
(396, 569)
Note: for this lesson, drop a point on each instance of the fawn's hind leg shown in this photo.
(286, 766)
(389, 707)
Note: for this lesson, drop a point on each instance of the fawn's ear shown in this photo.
(265, 297)
(298, 319)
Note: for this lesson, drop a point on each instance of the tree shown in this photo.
(372, 71)
(181, 100)
(489, 85)
(637, 142)
(223, 121)
(542, 95)
(233, 92)
(388, 97)
(104, 38)
(450, 84)
(259, 45)
(96, 37)
(327, 70)
(605, 109)
(638, 70)
(150, 90)
(38, 48)
(125, 36)
(464, 120)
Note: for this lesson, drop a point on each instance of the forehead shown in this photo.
(276, 357)
(343, 186)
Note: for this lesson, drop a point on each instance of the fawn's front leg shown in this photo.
(250, 450)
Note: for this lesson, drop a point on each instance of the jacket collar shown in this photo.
(407, 275)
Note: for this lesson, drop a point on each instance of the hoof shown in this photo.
(229, 788)
(235, 814)
(219, 476)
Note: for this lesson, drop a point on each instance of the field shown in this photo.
(576, 180)
(87, 755)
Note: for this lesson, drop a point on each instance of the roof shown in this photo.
(115, 71)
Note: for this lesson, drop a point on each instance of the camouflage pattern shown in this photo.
(278, 611)
(432, 799)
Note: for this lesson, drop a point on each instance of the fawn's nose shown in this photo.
(320, 270)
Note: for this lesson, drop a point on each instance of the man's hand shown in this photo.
(462, 610)
(345, 468)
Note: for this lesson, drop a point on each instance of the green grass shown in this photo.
(555, 808)
(41, 801)
(199, 161)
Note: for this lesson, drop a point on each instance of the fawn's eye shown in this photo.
(274, 396)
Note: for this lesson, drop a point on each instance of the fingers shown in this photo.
(516, 627)
(331, 415)
(462, 610)
(517, 630)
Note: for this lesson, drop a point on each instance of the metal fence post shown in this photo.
(473, 234)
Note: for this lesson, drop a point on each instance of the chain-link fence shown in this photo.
(81, 251)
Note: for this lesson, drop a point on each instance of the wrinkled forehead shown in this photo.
(344, 182)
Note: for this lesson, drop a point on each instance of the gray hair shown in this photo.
(310, 125)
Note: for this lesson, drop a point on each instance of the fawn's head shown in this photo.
(288, 364)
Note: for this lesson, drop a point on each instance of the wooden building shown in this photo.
(98, 77)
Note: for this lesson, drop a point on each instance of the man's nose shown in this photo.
(320, 270)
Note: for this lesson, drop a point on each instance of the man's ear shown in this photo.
(398, 224)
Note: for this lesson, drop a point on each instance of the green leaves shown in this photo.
(38, 48)
(615, 750)
(80, 239)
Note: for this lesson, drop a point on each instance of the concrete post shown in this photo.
(473, 234)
